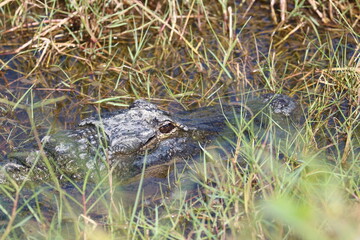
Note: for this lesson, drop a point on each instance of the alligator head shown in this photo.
(145, 135)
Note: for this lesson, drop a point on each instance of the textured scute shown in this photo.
(280, 103)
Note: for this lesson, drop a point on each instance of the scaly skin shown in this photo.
(123, 140)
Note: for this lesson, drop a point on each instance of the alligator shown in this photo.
(143, 135)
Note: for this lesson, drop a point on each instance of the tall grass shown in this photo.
(62, 60)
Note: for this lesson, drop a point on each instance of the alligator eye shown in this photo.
(167, 128)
